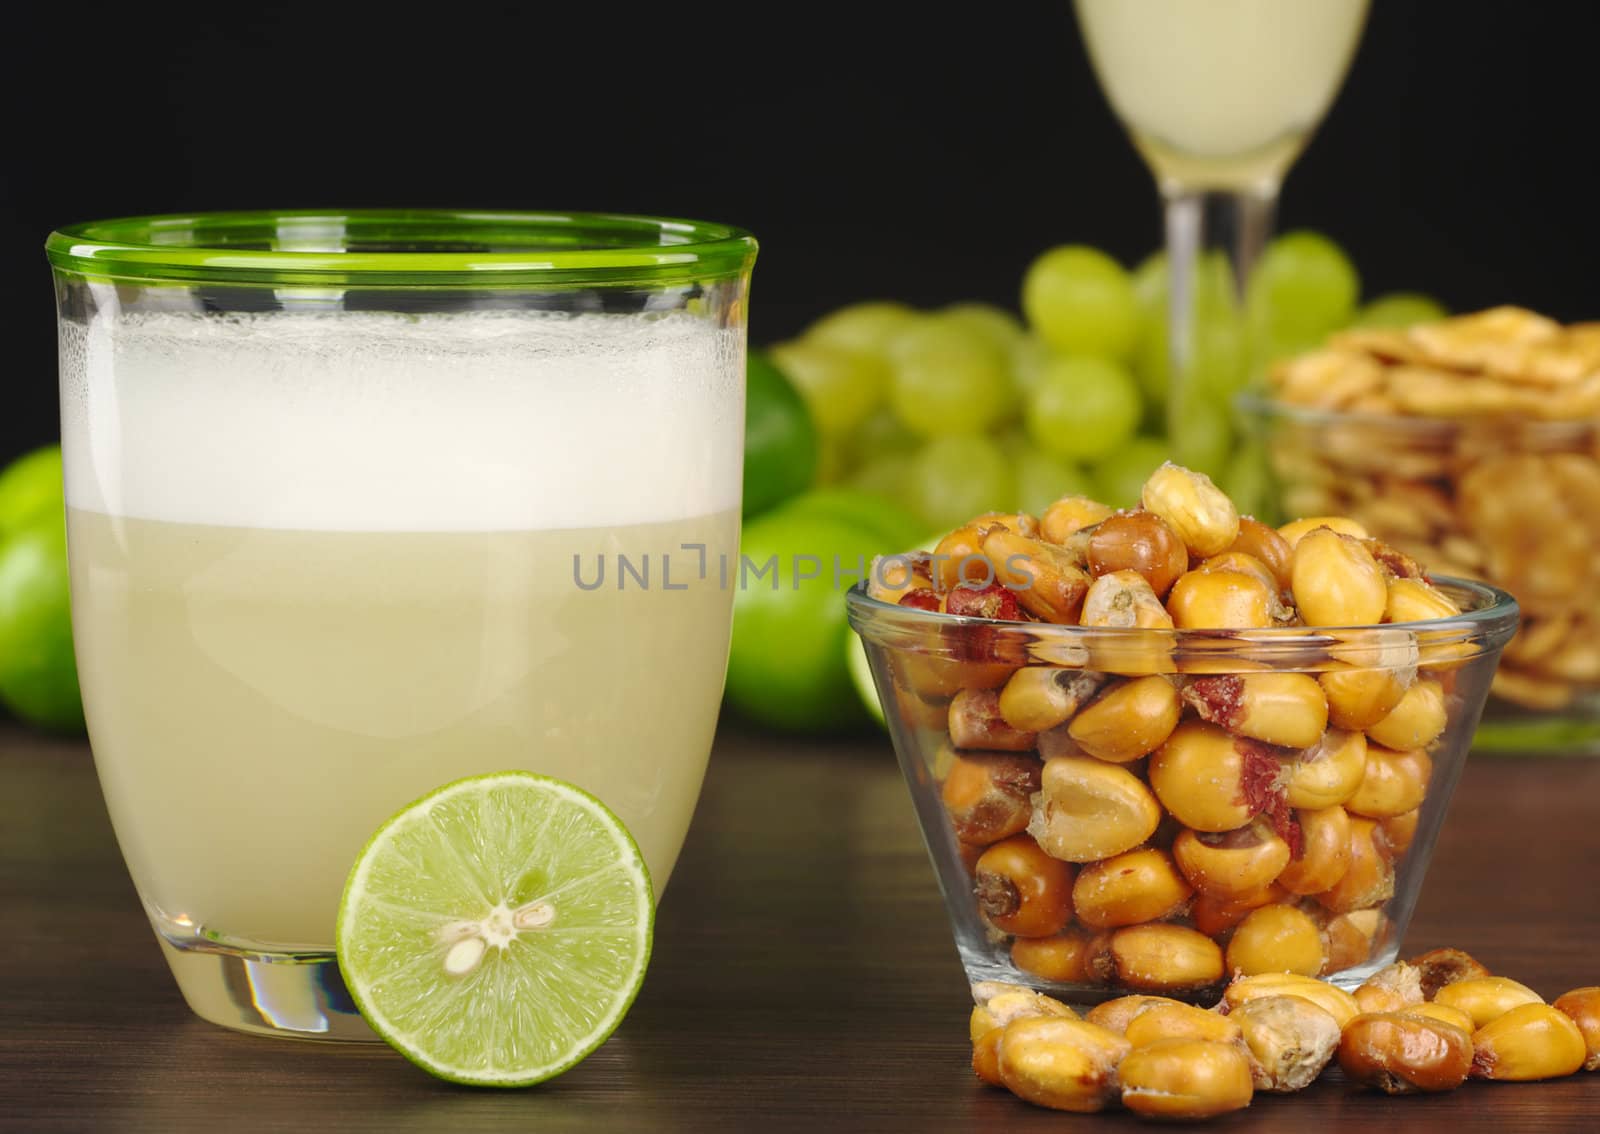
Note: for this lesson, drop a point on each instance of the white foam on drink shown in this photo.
(482, 421)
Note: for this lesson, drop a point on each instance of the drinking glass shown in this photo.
(1220, 97)
(361, 503)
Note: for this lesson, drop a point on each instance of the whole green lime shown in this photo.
(787, 668)
(30, 489)
(38, 675)
(780, 442)
(897, 526)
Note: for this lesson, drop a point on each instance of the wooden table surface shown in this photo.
(803, 979)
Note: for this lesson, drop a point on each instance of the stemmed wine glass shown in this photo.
(1220, 97)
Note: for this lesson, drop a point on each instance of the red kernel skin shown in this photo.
(1217, 699)
(923, 598)
(992, 601)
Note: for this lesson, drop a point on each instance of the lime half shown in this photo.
(496, 931)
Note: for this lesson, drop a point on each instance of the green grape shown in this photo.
(1029, 356)
(862, 326)
(1247, 481)
(1214, 289)
(1083, 408)
(1119, 478)
(956, 478)
(834, 461)
(881, 433)
(887, 475)
(996, 324)
(1400, 309)
(1042, 480)
(840, 386)
(1202, 436)
(1013, 440)
(948, 379)
(1081, 301)
(1221, 358)
(1303, 287)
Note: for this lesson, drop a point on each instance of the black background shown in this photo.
(923, 152)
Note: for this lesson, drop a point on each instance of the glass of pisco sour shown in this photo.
(360, 503)
(1220, 97)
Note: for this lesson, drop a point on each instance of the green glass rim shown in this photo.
(426, 248)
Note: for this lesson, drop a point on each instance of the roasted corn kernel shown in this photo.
(1163, 958)
(1369, 881)
(1400, 1053)
(1126, 889)
(1324, 852)
(1242, 563)
(1186, 1079)
(1486, 999)
(1396, 832)
(975, 721)
(1531, 1041)
(1141, 542)
(1441, 967)
(1290, 1040)
(1417, 600)
(1089, 810)
(1327, 773)
(1362, 692)
(1040, 697)
(1352, 937)
(1212, 781)
(996, 1003)
(1393, 988)
(1267, 547)
(1022, 890)
(1230, 863)
(959, 558)
(1223, 600)
(1277, 939)
(1115, 1015)
(986, 1057)
(1063, 958)
(1336, 582)
(1215, 914)
(1177, 1020)
(1197, 510)
(1286, 709)
(1394, 783)
(1329, 997)
(1296, 530)
(988, 796)
(1071, 514)
(1441, 1012)
(1415, 722)
(1583, 1005)
(1048, 581)
(1061, 1064)
(1128, 721)
(1124, 599)
(892, 577)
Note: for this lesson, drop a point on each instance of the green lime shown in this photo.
(786, 665)
(896, 524)
(30, 489)
(38, 674)
(496, 931)
(780, 443)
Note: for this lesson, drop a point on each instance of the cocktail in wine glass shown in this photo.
(1220, 96)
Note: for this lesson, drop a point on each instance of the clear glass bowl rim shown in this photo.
(475, 249)
(1486, 623)
(1442, 428)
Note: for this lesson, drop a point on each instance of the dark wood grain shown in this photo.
(803, 979)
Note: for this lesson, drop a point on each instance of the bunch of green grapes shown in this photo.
(970, 408)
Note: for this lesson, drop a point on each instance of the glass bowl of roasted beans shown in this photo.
(1154, 749)
(1472, 445)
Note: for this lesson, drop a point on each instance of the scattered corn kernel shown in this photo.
(1329, 997)
(1061, 1064)
(1530, 1041)
(1197, 510)
(1400, 1053)
(1179, 1021)
(1185, 1078)
(1441, 967)
(1486, 999)
(1115, 1015)
(1393, 988)
(1583, 1005)
(1290, 1040)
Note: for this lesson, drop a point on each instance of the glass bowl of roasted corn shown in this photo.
(1154, 749)
(1473, 445)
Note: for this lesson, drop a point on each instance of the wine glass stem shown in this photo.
(1236, 222)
